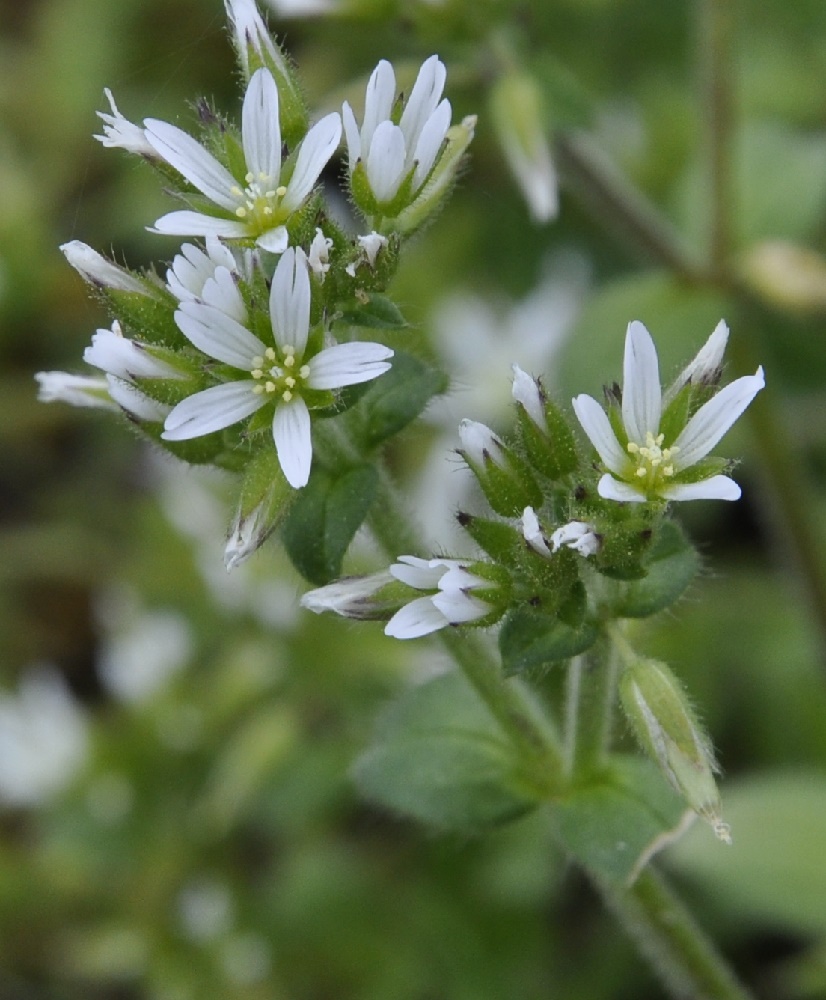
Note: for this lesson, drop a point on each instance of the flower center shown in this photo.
(282, 379)
(260, 204)
(653, 462)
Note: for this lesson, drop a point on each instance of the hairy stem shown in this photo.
(506, 700)
(590, 696)
(684, 958)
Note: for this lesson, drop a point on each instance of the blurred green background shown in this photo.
(176, 814)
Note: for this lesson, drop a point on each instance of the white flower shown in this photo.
(118, 133)
(319, 256)
(277, 375)
(577, 535)
(257, 206)
(450, 604)
(645, 466)
(97, 270)
(391, 152)
(77, 390)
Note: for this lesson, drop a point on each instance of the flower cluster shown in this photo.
(238, 350)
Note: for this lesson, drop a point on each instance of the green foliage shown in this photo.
(440, 757)
(672, 563)
(323, 519)
(531, 640)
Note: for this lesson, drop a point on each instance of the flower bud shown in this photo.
(663, 721)
(97, 270)
(365, 598)
(263, 503)
(519, 120)
(505, 479)
(548, 439)
(256, 48)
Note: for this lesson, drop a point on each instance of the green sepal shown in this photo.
(676, 415)
(440, 180)
(170, 391)
(508, 490)
(361, 191)
(235, 159)
(531, 640)
(625, 543)
(704, 469)
(553, 454)
(440, 757)
(394, 400)
(324, 518)
(502, 542)
(264, 480)
(150, 318)
(668, 730)
(612, 827)
(375, 312)
(671, 565)
(204, 450)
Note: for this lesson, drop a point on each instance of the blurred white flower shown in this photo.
(43, 738)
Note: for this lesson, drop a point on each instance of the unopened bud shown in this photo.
(520, 122)
(548, 439)
(504, 478)
(663, 721)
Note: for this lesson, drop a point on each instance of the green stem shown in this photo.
(506, 700)
(589, 709)
(684, 958)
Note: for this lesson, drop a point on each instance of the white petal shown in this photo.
(221, 291)
(708, 362)
(641, 392)
(274, 240)
(422, 574)
(135, 402)
(459, 578)
(378, 101)
(386, 161)
(187, 223)
(117, 355)
(192, 161)
(316, 149)
(97, 270)
(77, 390)
(351, 134)
(291, 433)
(426, 93)
(218, 335)
(715, 488)
(260, 129)
(420, 617)
(532, 533)
(348, 364)
(429, 144)
(290, 301)
(597, 426)
(458, 607)
(526, 391)
(613, 489)
(212, 410)
(348, 597)
(714, 418)
(480, 443)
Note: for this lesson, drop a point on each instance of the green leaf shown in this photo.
(440, 757)
(672, 564)
(775, 871)
(397, 398)
(530, 639)
(377, 312)
(611, 828)
(322, 521)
